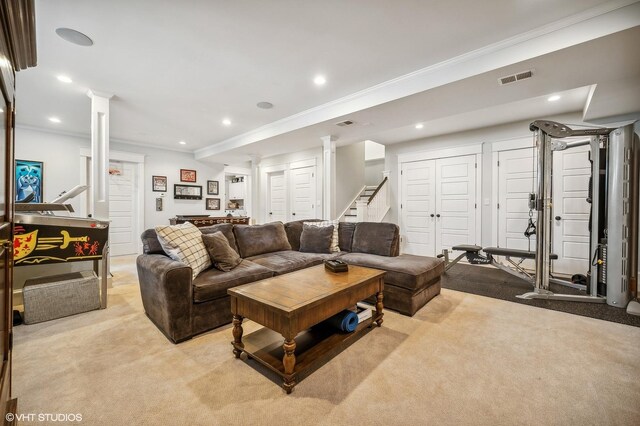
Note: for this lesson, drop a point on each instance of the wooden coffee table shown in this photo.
(289, 305)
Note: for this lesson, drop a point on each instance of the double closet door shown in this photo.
(438, 204)
(291, 195)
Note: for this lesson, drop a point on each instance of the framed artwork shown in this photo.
(187, 175)
(187, 192)
(29, 177)
(213, 204)
(212, 187)
(159, 183)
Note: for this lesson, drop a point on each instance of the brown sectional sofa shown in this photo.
(182, 307)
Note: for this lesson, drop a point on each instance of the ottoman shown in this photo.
(57, 296)
(410, 282)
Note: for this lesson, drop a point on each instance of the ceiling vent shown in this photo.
(515, 77)
(344, 123)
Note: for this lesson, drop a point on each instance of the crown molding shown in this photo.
(599, 21)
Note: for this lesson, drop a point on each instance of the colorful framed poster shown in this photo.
(29, 178)
(187, 175)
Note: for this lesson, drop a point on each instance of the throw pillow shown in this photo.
(184, 244)
(253, 240)
(222, 255)
(335, 247)
(316, 239)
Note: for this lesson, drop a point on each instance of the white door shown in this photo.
(455, 202)
(572, 170)
(418, 185)
(516, 180)
(123, 238)
(303, 193)
(276, 197)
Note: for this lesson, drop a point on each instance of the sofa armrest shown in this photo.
(167, 294)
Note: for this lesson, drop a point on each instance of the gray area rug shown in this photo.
(498, 284)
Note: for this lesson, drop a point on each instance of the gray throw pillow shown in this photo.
(316, 239)
(222, 255)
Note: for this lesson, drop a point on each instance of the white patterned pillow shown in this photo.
(334, 239)
(184, 244)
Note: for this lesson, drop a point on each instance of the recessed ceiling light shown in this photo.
(264, 105)
(319, 80)
(64, 79)
(419, 126)
(73, 36)
(226, 122)
(553, 98)
(54, 120)
(182, 143)
(1, 110)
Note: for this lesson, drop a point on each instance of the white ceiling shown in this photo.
(178, 68)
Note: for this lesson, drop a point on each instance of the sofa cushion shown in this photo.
(316, 239)
(150, 243)
(376, 238)
(213, 283)
(227, 231)
(294, 231)
(345, 235)
(184, 244)
(406, 271)
(283, 262)
(335, 247)
(222, 255)
(253, 240)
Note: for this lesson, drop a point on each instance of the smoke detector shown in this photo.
(515, 77)
(345, 123)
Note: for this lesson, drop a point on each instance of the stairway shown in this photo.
(351, 215)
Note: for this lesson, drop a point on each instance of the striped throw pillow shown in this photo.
(184, 244)
(334, 238)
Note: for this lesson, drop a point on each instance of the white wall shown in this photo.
(373, 150)
(62, 171)
(485, 136)
(349, 174)
(373, 172)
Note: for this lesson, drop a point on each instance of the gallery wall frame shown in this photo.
(212, 204)
(188, 175)
(159, 183)
(187, 192)
(213, 187)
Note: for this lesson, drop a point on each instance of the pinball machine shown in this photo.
(42, 237)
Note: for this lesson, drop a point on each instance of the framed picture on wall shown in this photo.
(159, 183)
(187, 175)
(29, 178)
(213, 204)
(187, 192)
(212, 187)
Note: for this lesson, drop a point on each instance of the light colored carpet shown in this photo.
(463, 359)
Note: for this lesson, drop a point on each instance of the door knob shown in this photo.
(270, 212)
(438, 215)
(293, 214)
(432, 215)
(558, 217)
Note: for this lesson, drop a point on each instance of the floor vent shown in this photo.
(515, 77)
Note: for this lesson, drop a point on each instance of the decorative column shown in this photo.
(255, 209)
(329, 177)
(99, 200)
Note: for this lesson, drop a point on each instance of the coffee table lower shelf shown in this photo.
(314, 347)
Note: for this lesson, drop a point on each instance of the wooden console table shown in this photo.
(200, 221)
(289, 305)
